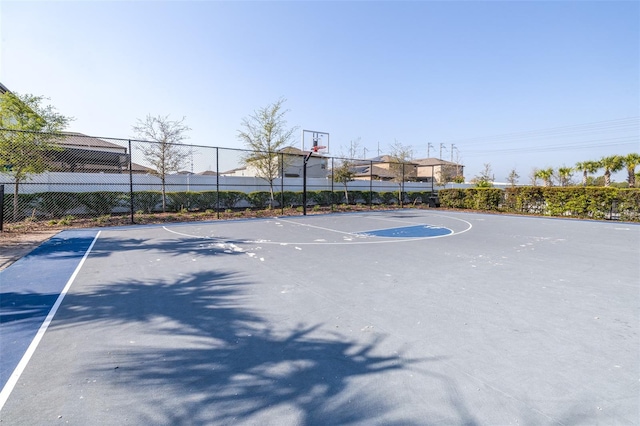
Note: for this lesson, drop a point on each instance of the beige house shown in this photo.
(437, 170)
(292, 165)
(423, 170)
(86, 154)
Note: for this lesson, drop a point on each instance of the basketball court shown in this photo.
(397, 317)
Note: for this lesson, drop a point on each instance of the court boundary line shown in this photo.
(24, 361)
(352, 234)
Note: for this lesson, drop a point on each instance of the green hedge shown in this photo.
(580, 202)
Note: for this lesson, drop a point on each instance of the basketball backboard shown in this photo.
(315, 141)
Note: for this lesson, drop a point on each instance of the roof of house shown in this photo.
(376, 171)
(434, 162)
(79, 140)
(3, 88)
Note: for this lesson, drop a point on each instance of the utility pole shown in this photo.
(429, 145)
(452, 146)
(442, 146)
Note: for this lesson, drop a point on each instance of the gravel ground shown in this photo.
(13, 245)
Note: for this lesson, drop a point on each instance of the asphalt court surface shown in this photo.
(402, 317)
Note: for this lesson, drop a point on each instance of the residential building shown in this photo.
(86, 154)
(293, 164)
(386, 167)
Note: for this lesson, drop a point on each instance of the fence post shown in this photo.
(402, 188)
(131, 183)
(332, 180)
(1, 206)
(282, 182)
(217, 183)
(371, 181)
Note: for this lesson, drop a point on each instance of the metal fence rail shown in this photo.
(79, 175)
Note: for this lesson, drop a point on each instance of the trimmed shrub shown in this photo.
(321, 198)
(291, 199)
(452, 198)
(208, 200)
(57, 204)
(230, 199)
(177, 201)
(147, 201)
(259, 199)
(102, 202)
(25, 206)
(388, 197)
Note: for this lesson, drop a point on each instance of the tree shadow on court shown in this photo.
(218, 362)
(16, 306)
(107, 246)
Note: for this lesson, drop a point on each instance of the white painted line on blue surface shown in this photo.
(357, 235)
(15, 376)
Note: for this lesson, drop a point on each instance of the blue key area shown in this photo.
(30, 287)
(416, 231)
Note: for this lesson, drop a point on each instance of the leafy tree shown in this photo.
(29, 132)
(265, 133)
(587, 167)
(611, 164)
(485, 178)
(344, 173)
(564, 175)
(546, 176)
(513, 178)
(631, 161)
(400, 166)
(595, 181)
(166, 154)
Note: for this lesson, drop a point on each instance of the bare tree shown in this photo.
(265, 133)
(400, 167)
(165, 153)
(344, 173)
(485, 178)
(513, 177)
(533, 176)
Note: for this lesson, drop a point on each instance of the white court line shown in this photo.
(317, 227)
(352, 234)
(15, 376)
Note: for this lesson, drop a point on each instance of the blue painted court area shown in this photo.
(30, 287)
(416, 231)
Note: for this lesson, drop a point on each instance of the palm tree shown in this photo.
(611, 164)
(587, 167)
(564, 174)
(545, 175)
(631, 161)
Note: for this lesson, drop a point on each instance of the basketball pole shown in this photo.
(304, 183)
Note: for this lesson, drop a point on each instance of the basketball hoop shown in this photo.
(319, 141)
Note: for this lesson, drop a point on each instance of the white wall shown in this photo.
(89, 182)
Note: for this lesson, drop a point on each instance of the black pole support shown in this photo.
(1, 206)
(304, 184)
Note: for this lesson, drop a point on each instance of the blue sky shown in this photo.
(517, 84)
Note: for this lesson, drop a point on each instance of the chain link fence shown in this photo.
(54, 176)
